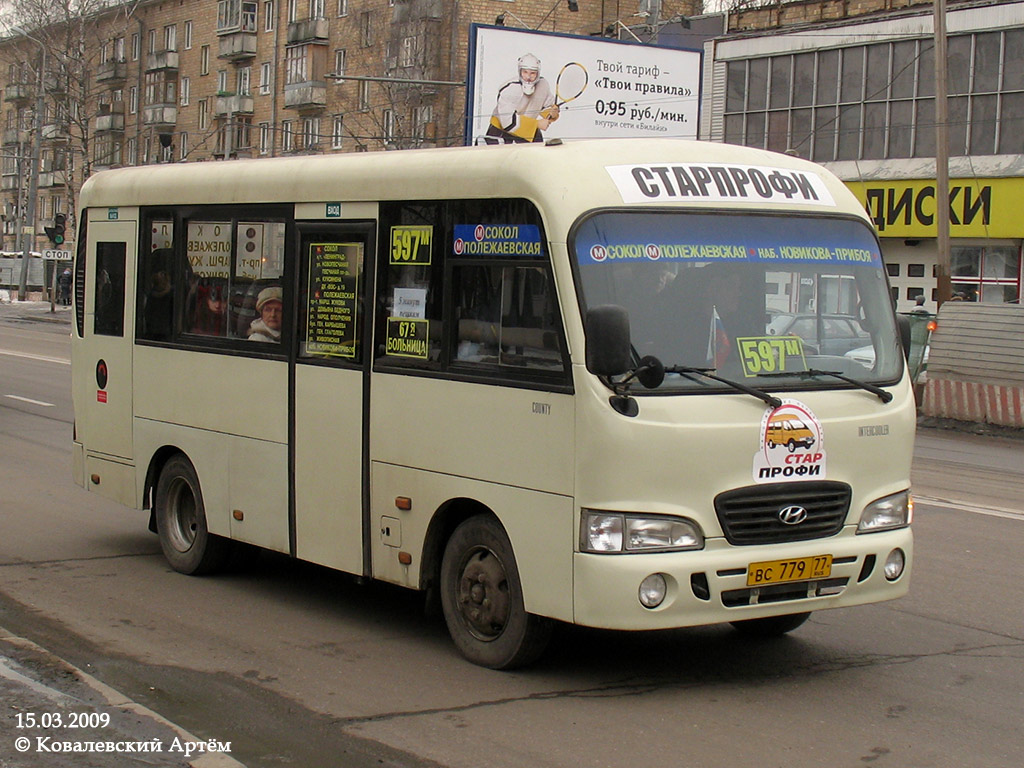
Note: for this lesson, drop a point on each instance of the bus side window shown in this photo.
(157, 289)
(507, 316)
(110, 264)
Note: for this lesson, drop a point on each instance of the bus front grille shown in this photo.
(780, 593)
(754, 515)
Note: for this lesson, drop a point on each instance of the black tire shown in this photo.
(772, 626)
(181, 521)
(482, 598)
(791, 445)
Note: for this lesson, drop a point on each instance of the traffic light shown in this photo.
(56, 232)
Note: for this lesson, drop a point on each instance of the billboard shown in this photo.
(585, 88)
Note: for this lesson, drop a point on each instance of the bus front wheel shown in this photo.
(181, 521)
(482, 598)
(771, 626)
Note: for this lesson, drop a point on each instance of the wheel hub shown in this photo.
(483, 595)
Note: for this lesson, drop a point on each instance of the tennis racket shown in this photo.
(571, 83)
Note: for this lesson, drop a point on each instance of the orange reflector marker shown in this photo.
(238, 514)
(403, 502)
(95, 479)
(405, 558)
(932, 325)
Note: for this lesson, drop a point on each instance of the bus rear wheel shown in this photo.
(771, 626)
(181, 521)
(482, 598)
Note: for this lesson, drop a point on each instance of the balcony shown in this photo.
(237, 46)
(15, 136)
(233, 105)
(162, 60)
(308, 95)
(110, 122)
(112, 72)
(9, 182)
(17, 92)
(55, 132)
(308, 31)
(51, 179)
(160, 115)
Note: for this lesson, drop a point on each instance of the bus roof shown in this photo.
(575, 174)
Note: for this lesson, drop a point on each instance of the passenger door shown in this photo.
(330, 393)
(102, 367)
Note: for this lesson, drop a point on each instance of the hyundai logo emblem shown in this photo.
(792, 515)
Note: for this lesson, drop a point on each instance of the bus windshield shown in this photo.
(758, 298)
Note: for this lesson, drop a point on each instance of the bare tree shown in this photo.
(72, 37)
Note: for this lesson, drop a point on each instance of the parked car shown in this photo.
(840, 333)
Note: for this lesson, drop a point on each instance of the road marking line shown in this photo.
(43, 358)
(29, 400)
(1003, 512)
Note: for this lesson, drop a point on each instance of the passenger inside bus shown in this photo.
(158, 310)
(210, 307)
(269, 306)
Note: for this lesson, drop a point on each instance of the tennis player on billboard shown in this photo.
(526, 106)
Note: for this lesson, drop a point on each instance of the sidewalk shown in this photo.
(32, 311)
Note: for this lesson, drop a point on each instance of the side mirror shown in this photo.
(608, 347)
(903, 324)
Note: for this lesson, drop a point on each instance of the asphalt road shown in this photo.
(296, 665)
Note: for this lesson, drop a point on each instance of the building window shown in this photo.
(339, 61)
(152, 41)
(266, 78)
(293, 11)
(268, 15)
(222, 81)
(183, 146)
(389, 126)
(265, 138)
(364, 95)
(136, 44)
(185, 91)
(235, 15)
(366, 28)
(119, 49)
(876, 101)
(133, 99)
(130, 151)
(337, 131)
(422, 118)
(171, 37)
(286, 136)
(204, 60)
(316, 9)
(986, 273)
(296, 70)
(343, 7)
(204, 115)
(244, 78)
(310, 137)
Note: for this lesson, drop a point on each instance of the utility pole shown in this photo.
(944, 258)
(33, 179)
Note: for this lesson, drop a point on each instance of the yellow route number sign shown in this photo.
(771, 354)
(411, 244)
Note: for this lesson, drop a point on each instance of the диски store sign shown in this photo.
(978, 208)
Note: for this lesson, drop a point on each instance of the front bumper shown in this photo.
(606, 586)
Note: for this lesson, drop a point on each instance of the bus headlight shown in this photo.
(610, 532)
(896, 511)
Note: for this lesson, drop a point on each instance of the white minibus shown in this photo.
(538, 382)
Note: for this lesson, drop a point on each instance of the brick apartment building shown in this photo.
(156, 81)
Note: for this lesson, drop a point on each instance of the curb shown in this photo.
(115, 698)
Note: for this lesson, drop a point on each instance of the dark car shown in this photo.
(839, 333)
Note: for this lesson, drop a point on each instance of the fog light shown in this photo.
(894, 564)
(653, 590)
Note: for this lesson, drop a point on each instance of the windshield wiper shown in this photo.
(882, 394)
(709, 373)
